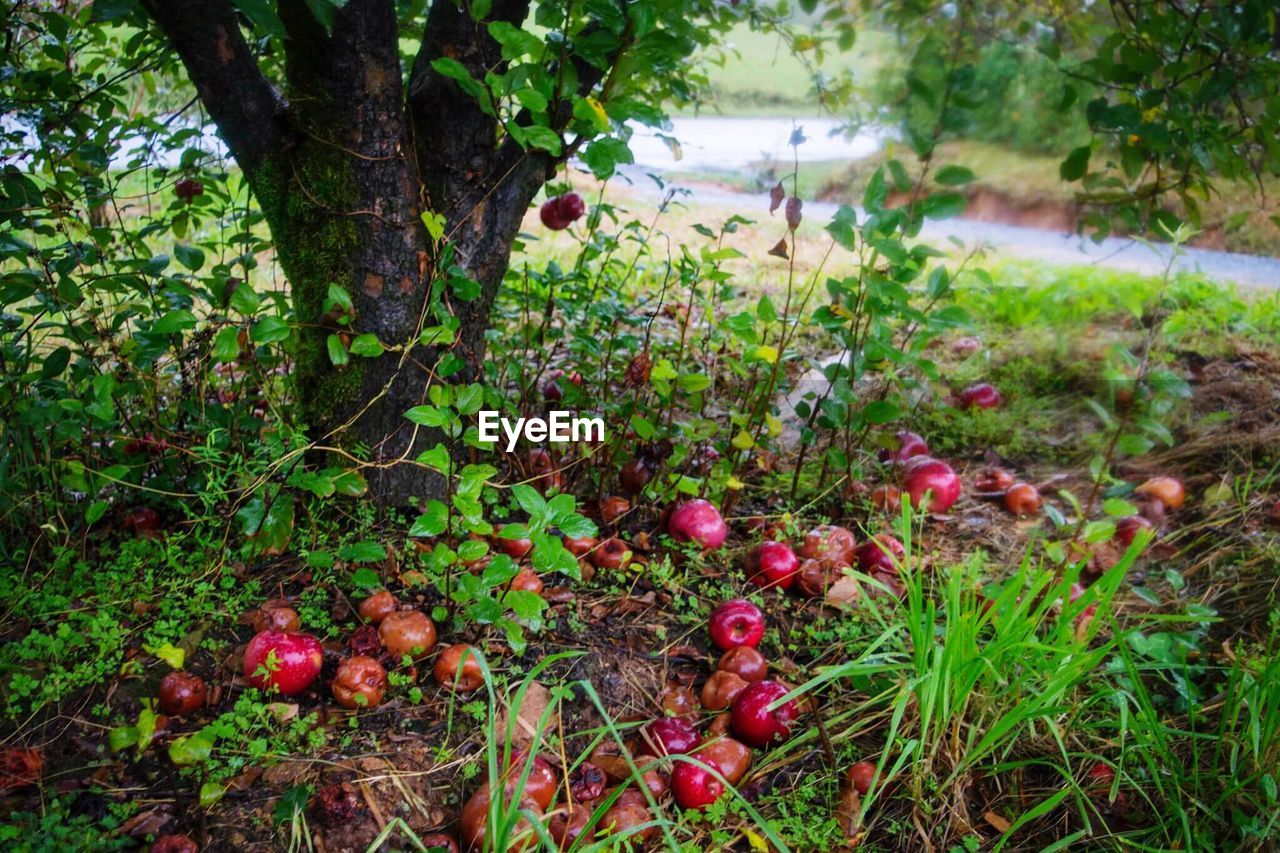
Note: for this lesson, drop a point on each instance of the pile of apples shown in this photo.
(698, 770)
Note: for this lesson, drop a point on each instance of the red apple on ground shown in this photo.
(926, 475)
(516, 549)
(1168, 490)
(613, 507)
(695, 787)
(1022, 499)
(980, 396)
(886, 498)
(1127, 529)
(378, 606)
(182, 693)
(527, 580)
(446, 669)
(736, 622)
(672, 735)
(744, 662)
(612, 553)
(721, 689)
(992, 480)
(829, 542)
(861, 776)
(359, 683)
(881, 553)
(698, 521)
(408, 632)
(755, 722)
(772, 564)
(906, 444)
(286, 662)
(634, 476)
(732, 758)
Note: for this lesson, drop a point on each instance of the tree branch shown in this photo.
(249, 113)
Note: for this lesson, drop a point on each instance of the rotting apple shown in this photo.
(408, 632)
(580, 546)
(980, 396)
(815, 577)
(881, 553)
(677, 700)
(174, 843)
(360, 682)
(886, 498)
(446, 669)
(516, 549)
(289, 663)
(966, 346)
(753, 719)
(1127, 529)
(925, 476)
(586, 782)
(1022, 499)
(671, 735)
(527, 580)
(731, 757)
(540, 784)
(634, 476)
(829, 542)
(991, 481)
(626, 816)
(378, 606)
(861, 776)
(736, 622)
(182, 693)
(612, 553)
(1168, 490)
(698, 521)
(772, 564)
(613, 507)
(744, 662)
(721, 689)
(276, 616)
(473, 825)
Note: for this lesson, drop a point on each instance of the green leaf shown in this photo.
(436, 458)
(95, 512)
(173, 322)
(122, 737)
(432, 522)
(211, 793)
(365, 578)
(434, 223)
(189, 256)
(226, 346)
(169, 653)
(954, 176)
(428, 416)
(367, 345)
(363, 552)
(943, 205)
(269, 330)
(531, 502)
(262, 14)
(880, 411)
(192, 749)
(603, 156)
(1076, 165)
(337, 352)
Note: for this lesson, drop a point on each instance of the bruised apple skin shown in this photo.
(731, 757)
(473, 827)
(276, 617)
(721, 689)
(744, 662)
(611, 554)
(408, 632)
(359, 683)
(829, 542)
(1022, 499)
(446, 669)
(182, 693)
(378, 606)
(286, 662)
(881, 553)
(1168, 490)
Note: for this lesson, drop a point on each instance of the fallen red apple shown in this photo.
(744, 662)
(289, 663)
(634, 476)
(732, 758)
(671, 735)
(182, 693)
(540, 785)
(721, 689)
(1022, 499)
(587, 782)
(829, 542)
(613, 507)
(473, 824)
(435, 842)
(516, 549)
(677, 700)
(378, 606)
(446, 670)
(772, 564)
(275, 616)
(992, 480)
(754, 721)
(527, 580)
(736, 622)
(861, 776)
(695, 787)
(1168, 490)
(966, 346)
(408, 632)
(1127, 529)
(980, 396)
(815, 577)
(175, 843)
(925, 476)
(359, 683)
(612, 553)
(698, 521)
(886, 498)
(881, 553)
(906, 444)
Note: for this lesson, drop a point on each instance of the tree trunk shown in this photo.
(343, 168)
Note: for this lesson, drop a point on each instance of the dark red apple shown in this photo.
(744, 662)
(141, 520)
(721, 689)
(571, 207)
(992, 480)
(1127, 529)
(286, 662)
(188, 188)
(698, 521)
(695, 787)
(672, 735)
(613, 507)
(182, 693)
(926, 475)
(612, 553)
(755, 722)
(408, 632)
(527, 580)
(980, 396)
(446, 669)
(906, 444)
(881, 553)
(736, 622)
(550, 215)
(174, 844)
(378, 606)
(772, 564)
(861, 776)
(516, 549)
(634, 476)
